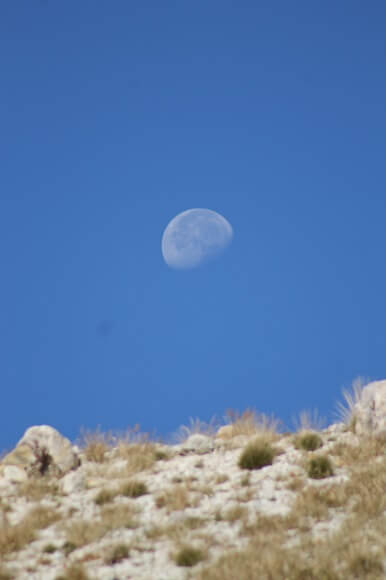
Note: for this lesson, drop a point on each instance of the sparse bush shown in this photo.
(104, 496)
(320, 467)
(13, 538)
(256, 455)
(134, 489)
(117, 554)
(68, 547)
(74, 572)
(308, 441)
(96, 445)
(188, 556)
(49, 549)
(250, 422)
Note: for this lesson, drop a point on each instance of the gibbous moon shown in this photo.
(193, 237)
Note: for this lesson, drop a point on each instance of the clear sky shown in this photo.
(117, 116)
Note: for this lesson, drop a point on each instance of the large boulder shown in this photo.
(41, 450)
(370, 409)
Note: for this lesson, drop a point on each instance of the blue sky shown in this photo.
(115, 117)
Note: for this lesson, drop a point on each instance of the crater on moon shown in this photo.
(195, 236)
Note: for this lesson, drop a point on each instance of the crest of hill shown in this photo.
(311, 504)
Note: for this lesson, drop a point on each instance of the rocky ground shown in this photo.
(243, 503)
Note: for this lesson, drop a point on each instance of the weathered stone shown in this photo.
(225, 432)
(41, 449)
(198, 443)
(370, 410)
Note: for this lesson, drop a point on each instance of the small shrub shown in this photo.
(49, 549)
(104, 496)
(308, 441)
(320, 467)
(117, 554)
(256, 455)
(68, 547)
(188, 556)
(134, 489)
(74, 572)
(96, 444)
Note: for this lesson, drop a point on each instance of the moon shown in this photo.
(194, 237)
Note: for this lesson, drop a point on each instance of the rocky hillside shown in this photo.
(245, 502)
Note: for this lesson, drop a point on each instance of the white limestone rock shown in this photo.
(197, 443)
(42, 448)
(370, 410)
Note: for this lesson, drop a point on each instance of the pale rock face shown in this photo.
(370, 410)
(225, 432)
(39, 442)
(197, 443)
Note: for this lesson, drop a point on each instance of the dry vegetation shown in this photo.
(289, 547)
(16, 537)
(355, 551)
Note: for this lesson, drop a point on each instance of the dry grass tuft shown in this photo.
(320, 467)
(345, 411)
(117, 554)
(134, 489)
(257, 454)
(175, 498)
(74, 572)
(308, 441)
(96, 444)
(14, 538)
(105, 496)
(250, 423)
(309, 421)
(188, 556)
(37, 488)
(83, 532)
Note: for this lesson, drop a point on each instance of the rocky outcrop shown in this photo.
(369, 412)
(42, 449)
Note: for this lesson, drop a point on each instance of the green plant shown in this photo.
(104, 496)
(49, 549)
(188, 556)
(320, 467)
(68, 547)
(256, 455)
(117, 554)
(308, 441)
(134, 489)
(74, 572)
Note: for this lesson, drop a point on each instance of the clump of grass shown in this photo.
(195, 426)
(320, 467)
(250, 422)
(117, 516)
(256, 455)
(49, 549)
(117, 554)
(174, 499)
(346, 410)
(36, 489)
(309, 421)
(74, 572)
(235, 513)
(14, 538)
(104, 496)
(309, 441)
(68, 547)
(96, 444)
(188, 556)
(134, 489)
